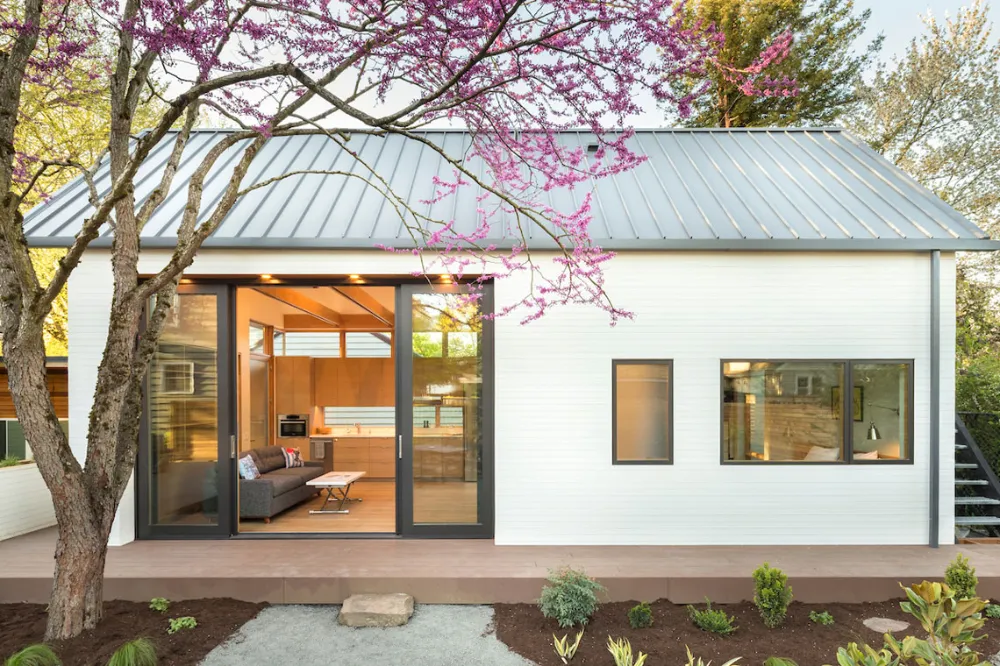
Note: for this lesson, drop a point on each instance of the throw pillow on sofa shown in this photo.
(248, 468)
(293, 458)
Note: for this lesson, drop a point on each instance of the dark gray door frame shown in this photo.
(404, 421)
(225, 468)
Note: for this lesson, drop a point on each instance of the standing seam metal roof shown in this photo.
(726, 189)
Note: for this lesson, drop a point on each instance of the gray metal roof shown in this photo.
(768, 189)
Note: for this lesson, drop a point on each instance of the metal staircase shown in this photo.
(977, 488)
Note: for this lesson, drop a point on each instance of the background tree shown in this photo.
(293, 67)
(932, 111)
(822, 61)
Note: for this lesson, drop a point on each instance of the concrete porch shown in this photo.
(477, 571)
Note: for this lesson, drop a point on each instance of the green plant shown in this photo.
(621, 652)
(34, 655)
(565, 649)
(571, 598)
(992, 611)
(640, 616)
(960, 576)
(779, 661)
(823, 618)
(772, 594)
(698, 662)
(137, 652)
(10, 461)
(950, 622)
(159, 604)
(852, 655)
(715, 621)
(178, 623)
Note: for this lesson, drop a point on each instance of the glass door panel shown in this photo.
(184, 461)
(446, 420)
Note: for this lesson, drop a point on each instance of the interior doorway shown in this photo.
(316, 397)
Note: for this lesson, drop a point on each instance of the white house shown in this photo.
(769, 270)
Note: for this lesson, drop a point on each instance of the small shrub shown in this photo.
(698, 662)
(640, 616)
(960, 576)
(178, 623)
(137, 652)
(993, 611)
(779, 661)
(823, 618)
(34, 655)
(159, 604)
(565, 649)
(621, 652)
(571, 598)
(852, 655)
(772, 594)
(715, 621)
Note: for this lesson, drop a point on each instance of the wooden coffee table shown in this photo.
(338, 486)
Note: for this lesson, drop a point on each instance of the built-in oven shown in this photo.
(293, 425)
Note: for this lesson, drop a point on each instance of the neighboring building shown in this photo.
(769, 270)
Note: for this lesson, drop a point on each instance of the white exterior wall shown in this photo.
(26, 500)
(554, 480)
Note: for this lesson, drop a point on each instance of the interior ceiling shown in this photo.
(341, 304)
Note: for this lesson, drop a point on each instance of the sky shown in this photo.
(899, 20)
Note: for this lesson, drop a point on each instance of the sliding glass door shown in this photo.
(185, 467)
(445, 411)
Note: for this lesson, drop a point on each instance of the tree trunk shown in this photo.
(78, 584)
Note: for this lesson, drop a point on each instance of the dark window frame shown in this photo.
(614, 409)
(847, 444)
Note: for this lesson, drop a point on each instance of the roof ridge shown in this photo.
(581, 130)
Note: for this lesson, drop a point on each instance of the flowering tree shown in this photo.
(513, 72)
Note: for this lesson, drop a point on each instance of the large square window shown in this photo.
(641, 393)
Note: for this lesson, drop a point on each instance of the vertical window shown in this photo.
(881, 431)
(642, 411)
(800, 411)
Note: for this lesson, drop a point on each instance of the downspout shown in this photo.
(935, 448)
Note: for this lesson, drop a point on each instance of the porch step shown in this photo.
(966, 466)
(376, 610)
(976, 501)
(967, 521)
(971, 482)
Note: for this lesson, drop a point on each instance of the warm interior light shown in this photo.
(265, 276)
(445, 277)
(354, 277)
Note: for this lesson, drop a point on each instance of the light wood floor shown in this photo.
(449, 502)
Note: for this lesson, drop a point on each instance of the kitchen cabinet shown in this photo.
(354, 382)
(326, 381)
(375, 456)
(382, 457)
(438, 458)
(293, 384)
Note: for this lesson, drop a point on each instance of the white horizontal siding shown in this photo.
(554, 480)
(26, 501)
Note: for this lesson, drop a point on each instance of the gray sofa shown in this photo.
(278, 487)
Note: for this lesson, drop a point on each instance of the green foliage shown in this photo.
(565, 649)
(992, 611)
(621, 652)
(779, 661)
(137, 652)
(640, 616)
(159, 604)
(772, 594)
(823, 60)
(178, 623)
(715, 621)
(698, 662)
(823, 618)
(852, 655)
(34, 655)
(960, 576)
(10, 461)
(951, 623)
(571, 598)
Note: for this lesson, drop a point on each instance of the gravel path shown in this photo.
(310, 636)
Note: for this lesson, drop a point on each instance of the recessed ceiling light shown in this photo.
(265, 276)
(354, 277)
(445, 277)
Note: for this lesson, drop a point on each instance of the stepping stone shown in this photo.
(884, 625)
(376, 610)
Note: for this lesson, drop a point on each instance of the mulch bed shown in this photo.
(525, 631)
(24, 624)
